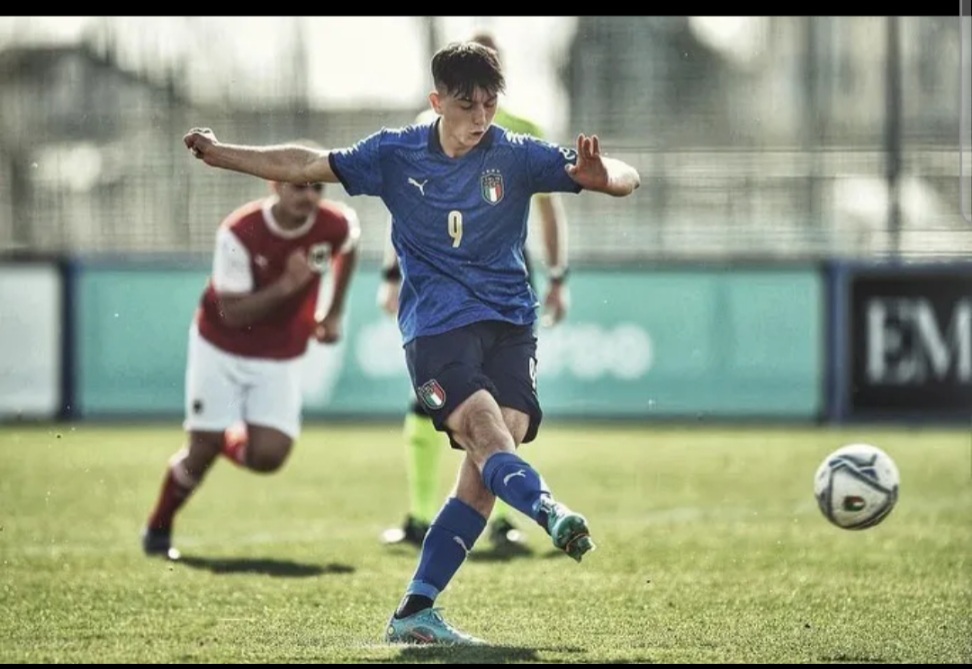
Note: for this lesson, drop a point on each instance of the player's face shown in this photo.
(297, 201)
(464, 120)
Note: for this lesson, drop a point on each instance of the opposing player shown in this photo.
(423, 443)
(253, 325)
(459, 193)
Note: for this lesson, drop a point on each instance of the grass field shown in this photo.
(710, 550)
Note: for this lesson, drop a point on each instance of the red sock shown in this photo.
(172, 496)
(235, 440)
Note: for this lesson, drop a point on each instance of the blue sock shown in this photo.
(451, 536)
(510, 478)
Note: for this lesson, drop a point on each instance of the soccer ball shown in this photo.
(856, 486)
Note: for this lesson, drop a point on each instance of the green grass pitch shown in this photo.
(710, 550)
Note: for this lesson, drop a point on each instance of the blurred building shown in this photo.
(770, 135)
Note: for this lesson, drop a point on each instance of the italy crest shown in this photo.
(432, 394)
(492, 186)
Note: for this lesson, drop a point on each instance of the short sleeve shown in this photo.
(359, 166)
(548, 166)
(231, 264)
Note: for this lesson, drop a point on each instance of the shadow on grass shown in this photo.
(554, 553)
(498, 555)
(418, 654)
(465, 654)
(266, 566)
(488, 654)
(477, 555)
(854, 659)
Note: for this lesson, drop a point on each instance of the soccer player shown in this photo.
(253, 324)
(422, 441)
(459, 192)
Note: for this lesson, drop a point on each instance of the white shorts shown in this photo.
(223, 389)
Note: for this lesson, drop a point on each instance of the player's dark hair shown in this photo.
(461, 67)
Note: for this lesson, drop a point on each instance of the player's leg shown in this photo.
(425, 448)
(272, 413)
(445, 370)
(183, 475)
(491, 468)
(423, 451)
(448, 373)
(503, 533)
(213, 403)
(451, 536)
(482, 428)
(512, 366)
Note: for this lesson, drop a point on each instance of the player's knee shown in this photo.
(204, 448)
(517, 422)
(479, 428)
(268, 450)
(267, 460)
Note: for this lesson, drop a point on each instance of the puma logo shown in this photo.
(420, 186)
(518, 472)
(462, 544)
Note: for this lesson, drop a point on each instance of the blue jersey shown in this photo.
(459, 225)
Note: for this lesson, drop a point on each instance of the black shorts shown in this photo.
(495, 356)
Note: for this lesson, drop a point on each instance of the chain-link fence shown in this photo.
(756, 137)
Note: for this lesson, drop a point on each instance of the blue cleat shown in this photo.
(567, 529)
(427, 627)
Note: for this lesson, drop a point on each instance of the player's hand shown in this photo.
(555, 304)
(388, 296)
(198, 141)
(589, 171)
(297, 272)
(328, 329)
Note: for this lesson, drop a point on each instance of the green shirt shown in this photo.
(512, 122)
(517, 124)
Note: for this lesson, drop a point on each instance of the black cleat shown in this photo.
(159, 543)
(412, 532)
(506, 539)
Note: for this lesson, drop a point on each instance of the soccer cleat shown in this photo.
(427, 627)
(567, 529)
(159, 542)
(506, 539)
(412, 532)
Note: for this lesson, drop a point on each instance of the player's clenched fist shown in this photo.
(198, 140)
(297, 271)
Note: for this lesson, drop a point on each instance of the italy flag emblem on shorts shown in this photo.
(432, 394)
(492, 186)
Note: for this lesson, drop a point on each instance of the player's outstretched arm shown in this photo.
(284, 162)
(599, 173)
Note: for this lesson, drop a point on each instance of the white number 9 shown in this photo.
(455, 228)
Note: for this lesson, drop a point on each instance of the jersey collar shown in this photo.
(277, 229)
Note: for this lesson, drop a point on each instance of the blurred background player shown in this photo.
(253, 325)
(423, 443)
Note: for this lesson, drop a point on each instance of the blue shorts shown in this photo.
(495, 356)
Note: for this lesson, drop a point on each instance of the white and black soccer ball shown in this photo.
(856, 486)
